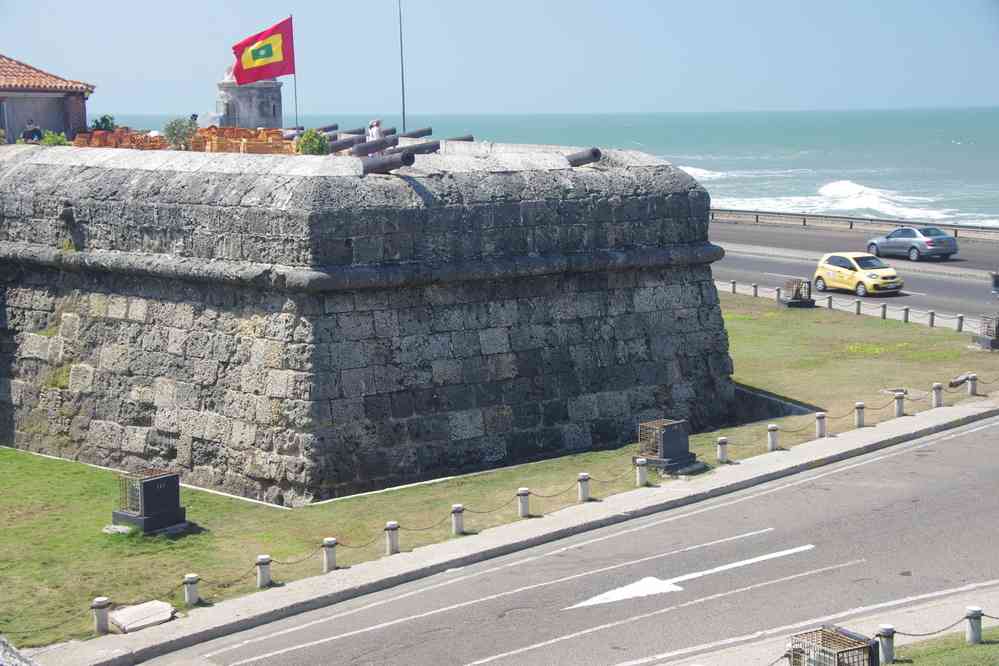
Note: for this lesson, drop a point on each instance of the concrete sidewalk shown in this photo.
(235, 615)
(908, 615)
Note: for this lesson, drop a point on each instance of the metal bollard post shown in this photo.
(973, 632)
(937, 395)
(821, 429)
(191, 596)
(524, 502)
(960, 323)
(884, 310)
(329, 554)
(583, 485)
(641, 472)
(857, 306)
(829, 303)
(932, 316)
(772, 437)
(101, 607)
(457, 519)
(756, 291)
(391, 537)
(972, 384)
(886, 641)
(722, 450)
(905, 315)
(263, 571)
(778, 293)
(899, 404)
(858, 414)
(733, 286)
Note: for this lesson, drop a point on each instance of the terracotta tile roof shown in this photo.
(15, 75)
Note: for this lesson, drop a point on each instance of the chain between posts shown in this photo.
(298, 561)
(561, 492)
(428, 527)
(39, 630)
(930, 633)
(358, 546)
(223, 584)
(501, 506)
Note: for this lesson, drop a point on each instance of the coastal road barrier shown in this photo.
(908, 315)
(873, 224)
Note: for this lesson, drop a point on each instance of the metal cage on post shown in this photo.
(988, 332)
(798, 294)
(665, 444)
(149, 501)
(832, 646)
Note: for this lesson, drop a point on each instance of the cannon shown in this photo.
(416, 148)
(584, 157)
(356, 130)
(368, 147)
(388, 131)
(463, 137)
(328, 128)
(418, 133)
(345, 143)
(386, 163)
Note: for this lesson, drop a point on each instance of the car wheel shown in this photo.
(873, 249)
(820, 284)
(913, 254)
(946, 257)
(861, 289)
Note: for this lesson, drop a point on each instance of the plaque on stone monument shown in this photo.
(149, 502)
(665, 444)
(798, 294)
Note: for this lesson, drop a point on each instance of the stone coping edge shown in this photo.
(313, 280)
(108, 656)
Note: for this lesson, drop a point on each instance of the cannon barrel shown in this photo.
(300, 128)
(464, 137)
(386, 163)
(290, 134)
(368, 147)
(418, 133)
(344, 144)
(328, 128)
(584, 157)
(416, 148)
(388, 132)
(356, 130)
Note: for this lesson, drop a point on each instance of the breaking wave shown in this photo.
(707, 174)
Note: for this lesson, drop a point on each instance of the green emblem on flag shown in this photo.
(261, 52)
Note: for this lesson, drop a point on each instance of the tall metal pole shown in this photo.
(295, 77)
(402, 70)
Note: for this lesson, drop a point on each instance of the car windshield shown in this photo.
(870, 262)
(932, 231)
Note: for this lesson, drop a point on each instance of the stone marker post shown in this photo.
(263, 571)
(772, 443)
(899, 404)
(960, 323)
(886, 642)
(524, 502)
(733, 286)
(391, 537)
(858, 414)
(973, 632)
(829, 303)
(457, 519)
(937, 395)
(583, 480)
(884, 310)
(101, 607)
(821, 428)
(777, 294)
(857, 305)
(905, 314)
(191, 596)
(972, 384)
(932, 316)
(756, 291)
(723, 449)
(329, 554)
(641, 472)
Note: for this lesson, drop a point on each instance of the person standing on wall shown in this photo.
(32, 133)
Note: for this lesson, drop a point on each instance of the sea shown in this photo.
(931, 165)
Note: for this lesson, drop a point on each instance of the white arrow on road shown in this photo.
(651, 585)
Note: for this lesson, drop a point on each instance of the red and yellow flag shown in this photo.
(266, 54)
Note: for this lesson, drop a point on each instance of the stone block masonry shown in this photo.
(283, 328)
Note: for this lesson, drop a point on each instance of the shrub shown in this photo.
(313, 143)
(180, 131)
(105, 122)
(54, 139)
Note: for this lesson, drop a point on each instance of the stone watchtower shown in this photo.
(251, 105)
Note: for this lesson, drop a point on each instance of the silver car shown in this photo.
(914, 243)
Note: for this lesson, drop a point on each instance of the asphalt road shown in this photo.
(909, 520)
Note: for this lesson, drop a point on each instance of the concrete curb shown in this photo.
(257, 609)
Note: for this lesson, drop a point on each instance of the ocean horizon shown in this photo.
(924, 165)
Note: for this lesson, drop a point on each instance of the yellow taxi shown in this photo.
(858, 272)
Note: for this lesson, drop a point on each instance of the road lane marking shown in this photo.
(805, 623)
(462, 604)
(906, 448)
(912, 293)
(651, 585)
(661, 611)
(785, 275)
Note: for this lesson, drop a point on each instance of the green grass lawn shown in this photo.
(54, 558)
(952, 651)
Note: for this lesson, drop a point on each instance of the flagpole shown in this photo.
(294, 76)
(402, 70)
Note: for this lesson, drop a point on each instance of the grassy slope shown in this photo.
(952, 651)
(54, 559)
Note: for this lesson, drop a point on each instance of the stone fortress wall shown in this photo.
(283, 328)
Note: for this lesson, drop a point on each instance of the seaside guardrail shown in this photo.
(804, 219)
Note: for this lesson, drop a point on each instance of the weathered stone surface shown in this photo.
(286, 329)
